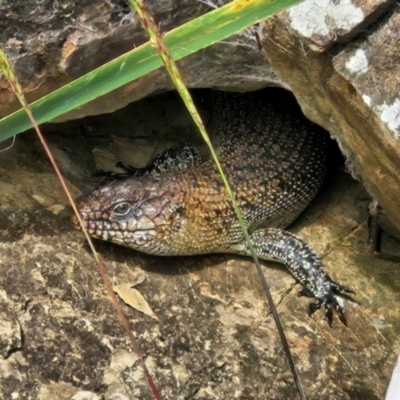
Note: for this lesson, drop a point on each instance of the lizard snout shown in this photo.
(75, 219)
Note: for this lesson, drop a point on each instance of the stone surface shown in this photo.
(10, 330)
(51, 43)
(322, 23)
(85, 395)
(339, 57)
(352, 90)
(213, 337)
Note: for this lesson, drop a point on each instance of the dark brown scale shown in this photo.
(275, 162)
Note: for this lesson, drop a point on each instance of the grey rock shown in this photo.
(85, 395)
(352, 88)
(50, 43)
(10, 329)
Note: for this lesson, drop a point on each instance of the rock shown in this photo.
(214, 337)
(338, 57)
(350, 89)
(85, 395)
(10, 329)
(59, 391)
(51, 43)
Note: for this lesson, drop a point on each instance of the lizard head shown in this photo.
(124, 212)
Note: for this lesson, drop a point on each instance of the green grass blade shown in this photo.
(182, 41)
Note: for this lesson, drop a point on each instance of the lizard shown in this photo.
(275, 161)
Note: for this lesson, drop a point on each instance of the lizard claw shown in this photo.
(329, 302)
(341, 290)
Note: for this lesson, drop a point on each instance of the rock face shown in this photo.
(340, 58)
(51, 43)
(210, 335)
(352, 89)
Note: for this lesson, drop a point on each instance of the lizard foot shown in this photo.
(329, 301)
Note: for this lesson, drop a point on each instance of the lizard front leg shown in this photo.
(178, 157)
(305, 266)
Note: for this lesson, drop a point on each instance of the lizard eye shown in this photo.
(122, 209)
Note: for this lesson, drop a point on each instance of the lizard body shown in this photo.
(275, 161)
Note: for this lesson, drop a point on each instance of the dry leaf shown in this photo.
(134, 298)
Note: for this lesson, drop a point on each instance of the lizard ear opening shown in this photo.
(121, 209)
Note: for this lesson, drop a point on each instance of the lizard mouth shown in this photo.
(85, 217)
(100, 229)
(90, 221)
(114, 232)
(94, 228)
